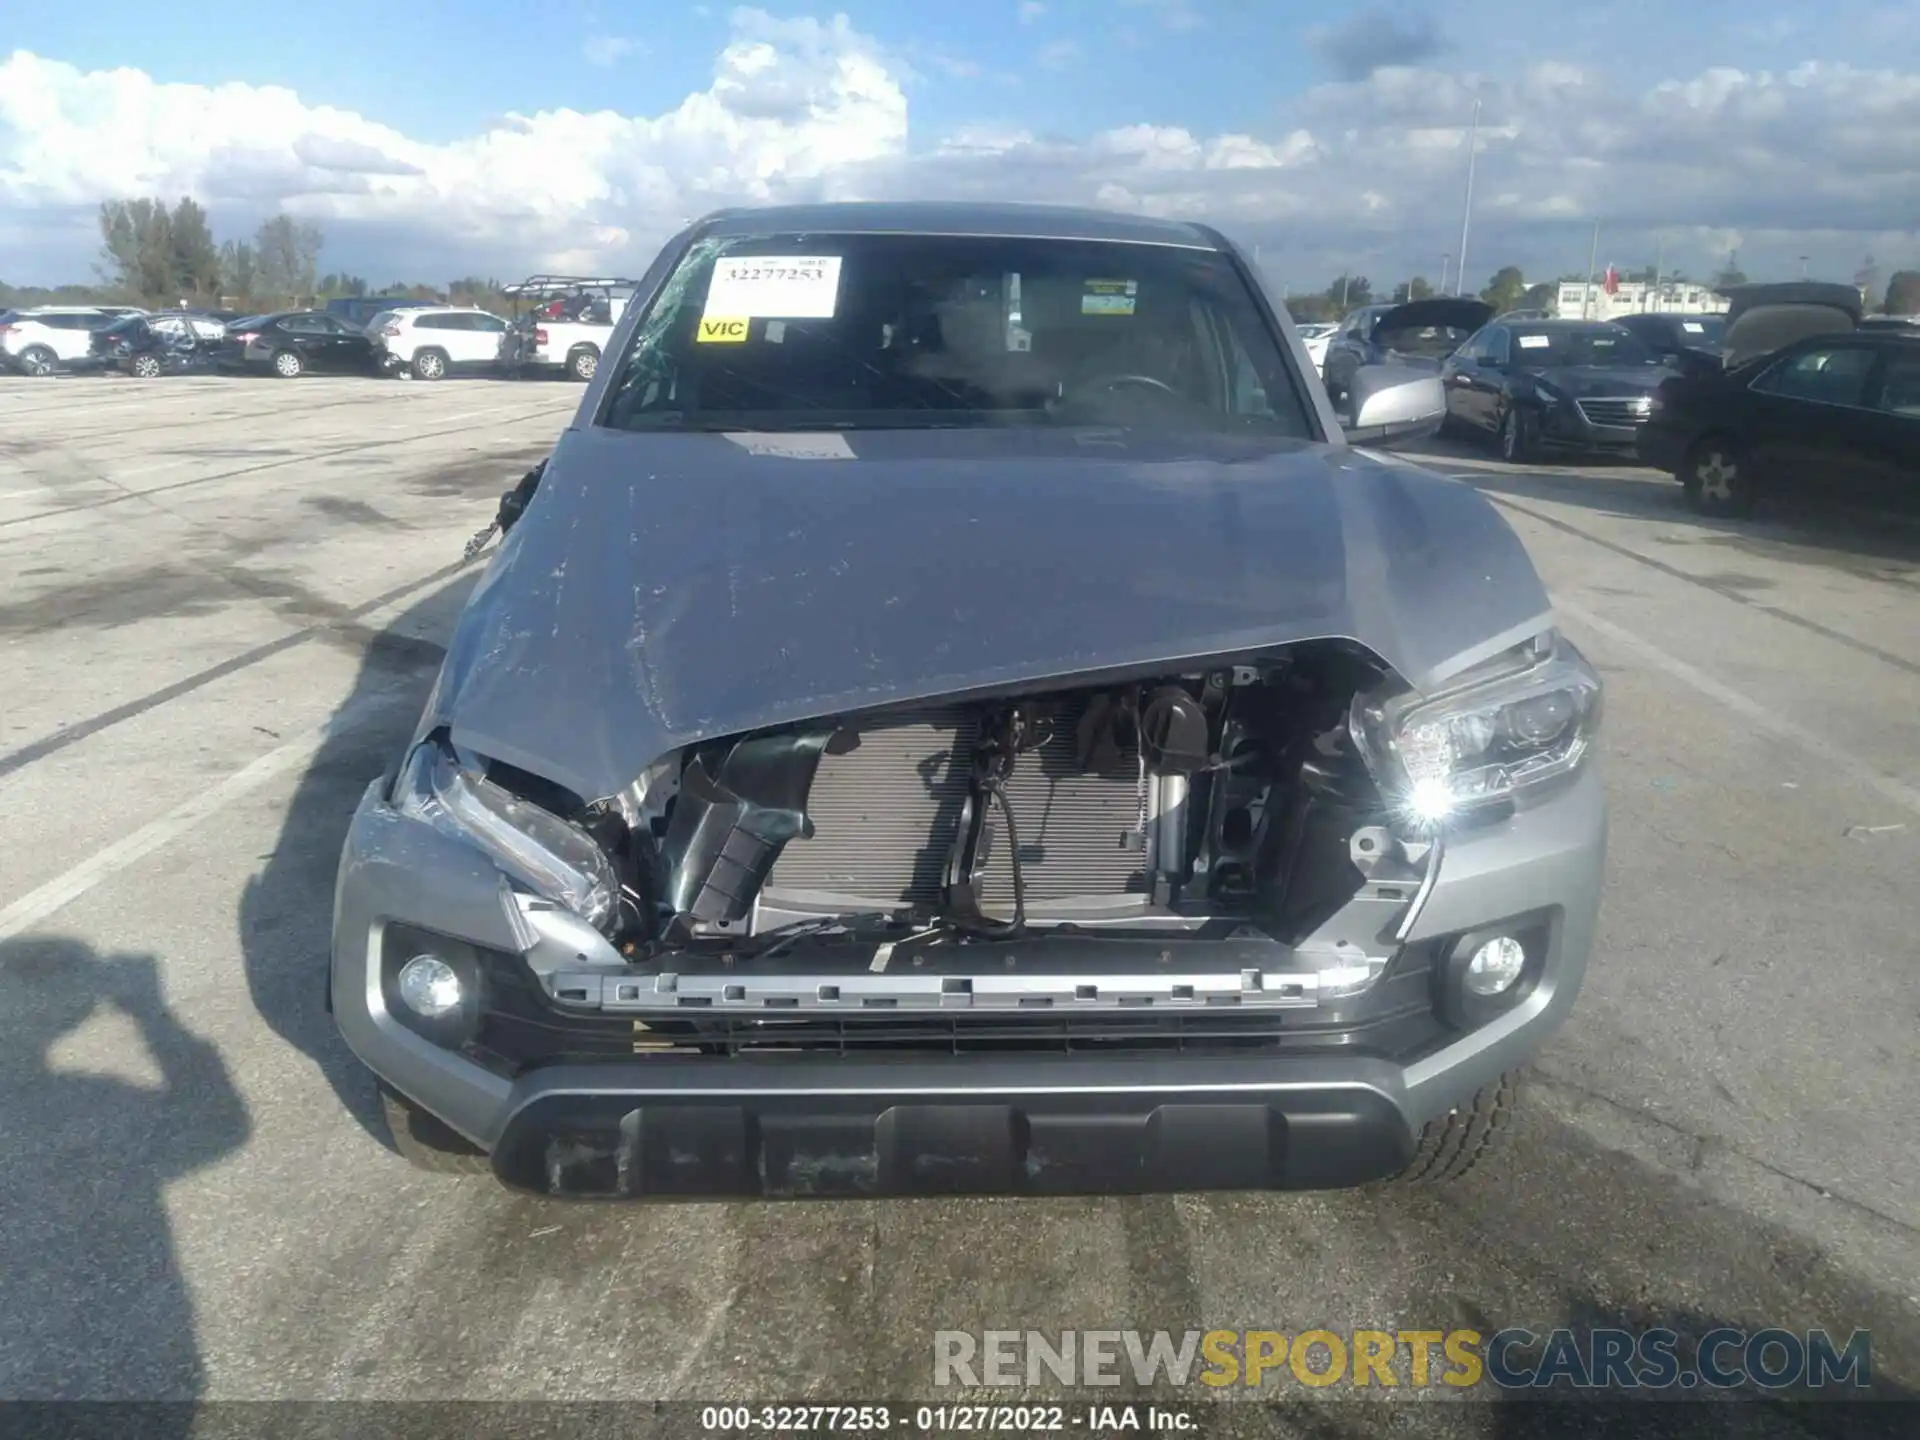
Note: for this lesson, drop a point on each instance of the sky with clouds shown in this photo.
(434, 139)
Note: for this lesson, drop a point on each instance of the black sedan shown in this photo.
(1420, 332)
(1691, 344)
(149, 345)
(292, 342)
(1541, 385)
(1834, 417)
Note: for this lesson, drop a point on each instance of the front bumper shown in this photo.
(1661, 447)
(663, 1126)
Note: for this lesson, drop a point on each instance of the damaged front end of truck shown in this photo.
(731, 831)
(1184, 855)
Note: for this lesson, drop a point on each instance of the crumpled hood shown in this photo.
(668, 588)
(1603, 379)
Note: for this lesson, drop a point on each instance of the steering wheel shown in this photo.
(1114, 382)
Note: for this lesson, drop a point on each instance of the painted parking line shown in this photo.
(45, 901)
(1764, 717)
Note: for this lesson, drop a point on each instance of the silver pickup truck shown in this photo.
(563, 322)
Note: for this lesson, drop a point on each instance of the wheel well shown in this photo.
(583, 346)
(439, 350)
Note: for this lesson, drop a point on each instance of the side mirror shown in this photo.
(1392, 404)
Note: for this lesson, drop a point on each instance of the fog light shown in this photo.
(429, 987)
(1491, 970)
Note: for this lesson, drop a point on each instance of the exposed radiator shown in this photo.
(885, 817)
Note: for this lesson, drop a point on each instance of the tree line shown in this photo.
(155, 255)
(158, 255)
(1509, 289)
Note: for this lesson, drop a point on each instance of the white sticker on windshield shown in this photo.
(1693, 327)
(1535, 342)
(802, 446)
(792, 287)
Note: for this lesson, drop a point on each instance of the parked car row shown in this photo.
(1792, 390)
(565, 328)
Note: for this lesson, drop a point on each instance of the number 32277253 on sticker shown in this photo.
(787, 287)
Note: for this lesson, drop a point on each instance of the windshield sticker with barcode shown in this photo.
(790, 287)
(1693, 327)
(1109, 297)
(1535, 342)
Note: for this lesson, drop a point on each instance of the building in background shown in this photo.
(1603, 300)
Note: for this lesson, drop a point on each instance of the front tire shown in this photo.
(1718, 478)
(288, 365)
(429, 365)
(582, 364)
(1458, 1141)
(426, 1143)
(1336, 392)
(38, 361)
(1517, 443)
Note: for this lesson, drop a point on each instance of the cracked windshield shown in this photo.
(1158, 716)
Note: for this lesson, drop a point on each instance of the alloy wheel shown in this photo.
(1718, 474)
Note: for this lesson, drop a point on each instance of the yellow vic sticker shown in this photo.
(722, 332)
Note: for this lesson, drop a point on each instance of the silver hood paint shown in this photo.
(664, 589)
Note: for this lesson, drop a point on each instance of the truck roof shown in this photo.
(942, 217)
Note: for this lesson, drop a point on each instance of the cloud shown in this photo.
(606, 51)
(1030, 11)
(948, 63)
(353, 157)
(1375, 38)
(1365, 172)
(1172, 14)
(1058, 54)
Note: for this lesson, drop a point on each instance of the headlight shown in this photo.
(551, 857)
(1522, 719)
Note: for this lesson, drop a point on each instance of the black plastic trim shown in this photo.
(792, 1144)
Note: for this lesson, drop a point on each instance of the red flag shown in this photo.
(1613, 281)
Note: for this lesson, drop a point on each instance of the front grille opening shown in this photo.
(525, 1030)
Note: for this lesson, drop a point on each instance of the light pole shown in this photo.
(1466, 218)
(1446, 268)
(1593, 259)
(1803, 267)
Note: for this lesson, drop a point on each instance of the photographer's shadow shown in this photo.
(285, 919)
(92, 1301)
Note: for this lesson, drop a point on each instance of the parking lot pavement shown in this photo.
(221, 603)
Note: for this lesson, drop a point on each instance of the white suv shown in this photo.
(47, 337)
(431, 343)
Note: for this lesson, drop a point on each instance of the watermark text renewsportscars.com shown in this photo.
(1509, 1359)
